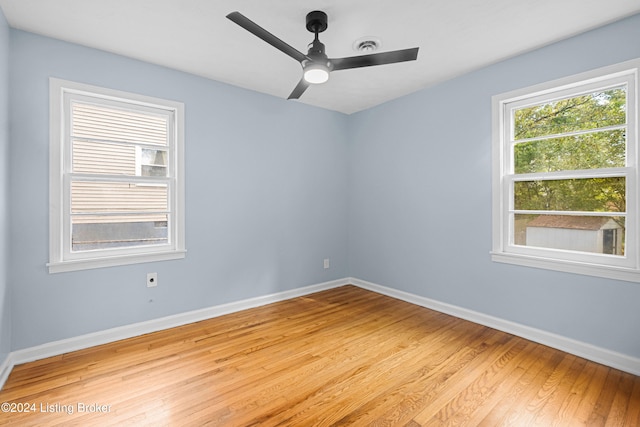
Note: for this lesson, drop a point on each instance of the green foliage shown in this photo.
(591, 111)
(546, 147)
(589, 195)
(604, 149)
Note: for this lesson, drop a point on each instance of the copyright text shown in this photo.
(54, 408)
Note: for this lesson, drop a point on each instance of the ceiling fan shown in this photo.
(315, 64)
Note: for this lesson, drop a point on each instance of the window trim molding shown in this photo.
(59, 261)
(501, 190)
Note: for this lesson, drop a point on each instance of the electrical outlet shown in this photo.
(326, 263)
(152, 280)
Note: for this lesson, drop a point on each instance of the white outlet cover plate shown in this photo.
(152, 280)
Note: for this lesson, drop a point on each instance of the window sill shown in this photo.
(608, 272)
(86, 264)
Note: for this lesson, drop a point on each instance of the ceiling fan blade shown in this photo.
(375, 59)
(265, 35)
(299, 89)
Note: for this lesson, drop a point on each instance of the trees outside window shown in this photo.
(565, 173)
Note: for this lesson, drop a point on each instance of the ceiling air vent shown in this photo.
(367, 44)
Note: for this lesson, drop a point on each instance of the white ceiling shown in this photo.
(454, 36)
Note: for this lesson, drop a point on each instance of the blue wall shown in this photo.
(420, 200)
(266, 197)
(5, 308)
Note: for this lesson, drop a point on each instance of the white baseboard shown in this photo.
(588, 351)
(597, 354)
(6, 366)
(56, 348)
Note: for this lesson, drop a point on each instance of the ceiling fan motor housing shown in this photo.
(316, 21)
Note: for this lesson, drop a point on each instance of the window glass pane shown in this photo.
(90, 232)
(110, 197)
(103, 158)
(585, 112)
(154, 170)
(103, 123)
(587, 195)
(595, 150)
(153, 162)
(594, 234)
(154, 157)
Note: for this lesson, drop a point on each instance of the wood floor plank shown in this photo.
(571, 400)
(350, 365)
(400, 391)
(590, 396)
(448, 401)
(345, 356)
(621, 400)
(374, 378)
(632, 417)
(558, 388)
(488, 398)
(462, 406)
(541, 357)
(603, 405)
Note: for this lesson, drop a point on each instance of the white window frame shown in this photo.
(61, 258)
(625, 267)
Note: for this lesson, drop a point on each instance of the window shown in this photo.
(565, 176)
(116, 178)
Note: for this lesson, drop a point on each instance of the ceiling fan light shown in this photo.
(316, 73)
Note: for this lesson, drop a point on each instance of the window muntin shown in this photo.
(117, 177)
(565, 173)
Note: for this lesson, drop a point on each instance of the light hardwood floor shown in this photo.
(345, 356)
